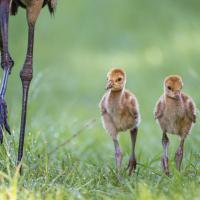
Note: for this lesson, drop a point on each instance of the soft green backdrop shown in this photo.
(72, 54)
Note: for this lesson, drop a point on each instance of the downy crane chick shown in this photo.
(120, 112)
(175, 112)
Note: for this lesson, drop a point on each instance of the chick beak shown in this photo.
(109, 85)
(177, 94)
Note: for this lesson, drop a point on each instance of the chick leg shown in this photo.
(118, 154)
(132, 160)
(110, 127)
(164, 159)
(179, 154)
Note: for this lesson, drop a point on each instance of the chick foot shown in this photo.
(131, 165)
(165, 165)
(118, 159)
(178, 158)
(3, 119)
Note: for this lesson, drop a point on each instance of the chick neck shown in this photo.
(116, 94)
(172, 99)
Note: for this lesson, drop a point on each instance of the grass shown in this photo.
(73, 52)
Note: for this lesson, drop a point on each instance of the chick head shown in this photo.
(172, 86)
(116, 79)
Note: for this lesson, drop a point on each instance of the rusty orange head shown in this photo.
(116, 79)
(173, 85)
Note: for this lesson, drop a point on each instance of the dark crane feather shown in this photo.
(17, 3)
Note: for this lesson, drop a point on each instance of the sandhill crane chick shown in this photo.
(175, 112)
(120, 112)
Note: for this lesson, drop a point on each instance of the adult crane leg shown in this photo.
(6, 63)
(26, 73)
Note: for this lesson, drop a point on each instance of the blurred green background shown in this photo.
(73, 52)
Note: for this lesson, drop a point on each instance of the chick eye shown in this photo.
(169, 88)
(119, 79)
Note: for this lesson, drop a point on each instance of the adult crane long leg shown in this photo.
(26, 73)
(6, 63)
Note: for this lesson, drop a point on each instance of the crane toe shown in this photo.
(3, 119)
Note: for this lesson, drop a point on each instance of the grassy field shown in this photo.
(73, 52)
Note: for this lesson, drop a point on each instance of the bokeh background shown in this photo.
(73, 52)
